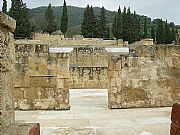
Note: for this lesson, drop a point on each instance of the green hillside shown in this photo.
(75, 15)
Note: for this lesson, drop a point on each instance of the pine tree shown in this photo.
(119, 24)
(20, 13)
(4, 8)
(64, 19)
(160, 33)
(51, 25)
(153, 36)
(167, 34)
(103, 30)
(145, 28)
(88, 27)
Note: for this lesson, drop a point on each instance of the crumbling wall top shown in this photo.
(7, 22)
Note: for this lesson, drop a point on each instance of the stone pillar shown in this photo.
(114, 81)
(63, 76)
(7, 26)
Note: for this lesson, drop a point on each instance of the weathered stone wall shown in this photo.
(47, 37)
(148, 77)
(7, 26)
(41, 78)
(88, 67)
(88, 77)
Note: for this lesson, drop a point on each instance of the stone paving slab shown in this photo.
(89, 115)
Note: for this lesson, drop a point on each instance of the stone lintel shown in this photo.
(60, 50)
(122, 50)
(7, 22)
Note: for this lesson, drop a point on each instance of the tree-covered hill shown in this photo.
(75, 18)
(75, 15)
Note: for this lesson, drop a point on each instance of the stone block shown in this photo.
(23, 129)
(175, 118)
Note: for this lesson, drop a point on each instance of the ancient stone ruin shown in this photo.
(137, 75)
(7, 117)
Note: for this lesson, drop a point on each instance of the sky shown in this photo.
(165, 9)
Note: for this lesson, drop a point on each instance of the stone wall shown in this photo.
(41, 78)
(7, 26)
(47, 37)
(148, 77)
(88, 67)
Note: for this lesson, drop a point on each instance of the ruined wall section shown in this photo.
(150, 77)
(41, 78)
(7, 26)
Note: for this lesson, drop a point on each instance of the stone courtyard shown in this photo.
(136, 86)
(89, 115)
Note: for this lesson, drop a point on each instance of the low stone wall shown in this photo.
(149, 77)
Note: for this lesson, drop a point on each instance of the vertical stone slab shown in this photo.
(63, 76)
(114, 82)
(115, 65)
(7, 26)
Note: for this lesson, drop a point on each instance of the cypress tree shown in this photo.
(64, 19)
(145, 28)
(125, 25)
(135, 27)
(4, 8)
(160, 32)
(114, 27)
(173, 35)
(20, 13)
(51, 25)
(102, 24)
(153, 36)
(167, 34)
(85, 24)
(93, 23)
(88, 27)
(119, 24)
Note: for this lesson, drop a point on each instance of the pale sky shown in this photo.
(165, 9)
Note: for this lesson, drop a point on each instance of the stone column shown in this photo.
(7, 26)
(114, 82)
(115, 65)
(63, 76)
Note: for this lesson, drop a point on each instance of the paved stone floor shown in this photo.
(89, 115)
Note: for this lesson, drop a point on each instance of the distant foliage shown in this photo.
(89, 24)
(126, 25)
(64, 19)
(75, 21)
(4, 8)
(51, 25)
(20, 13)
(102, 28)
